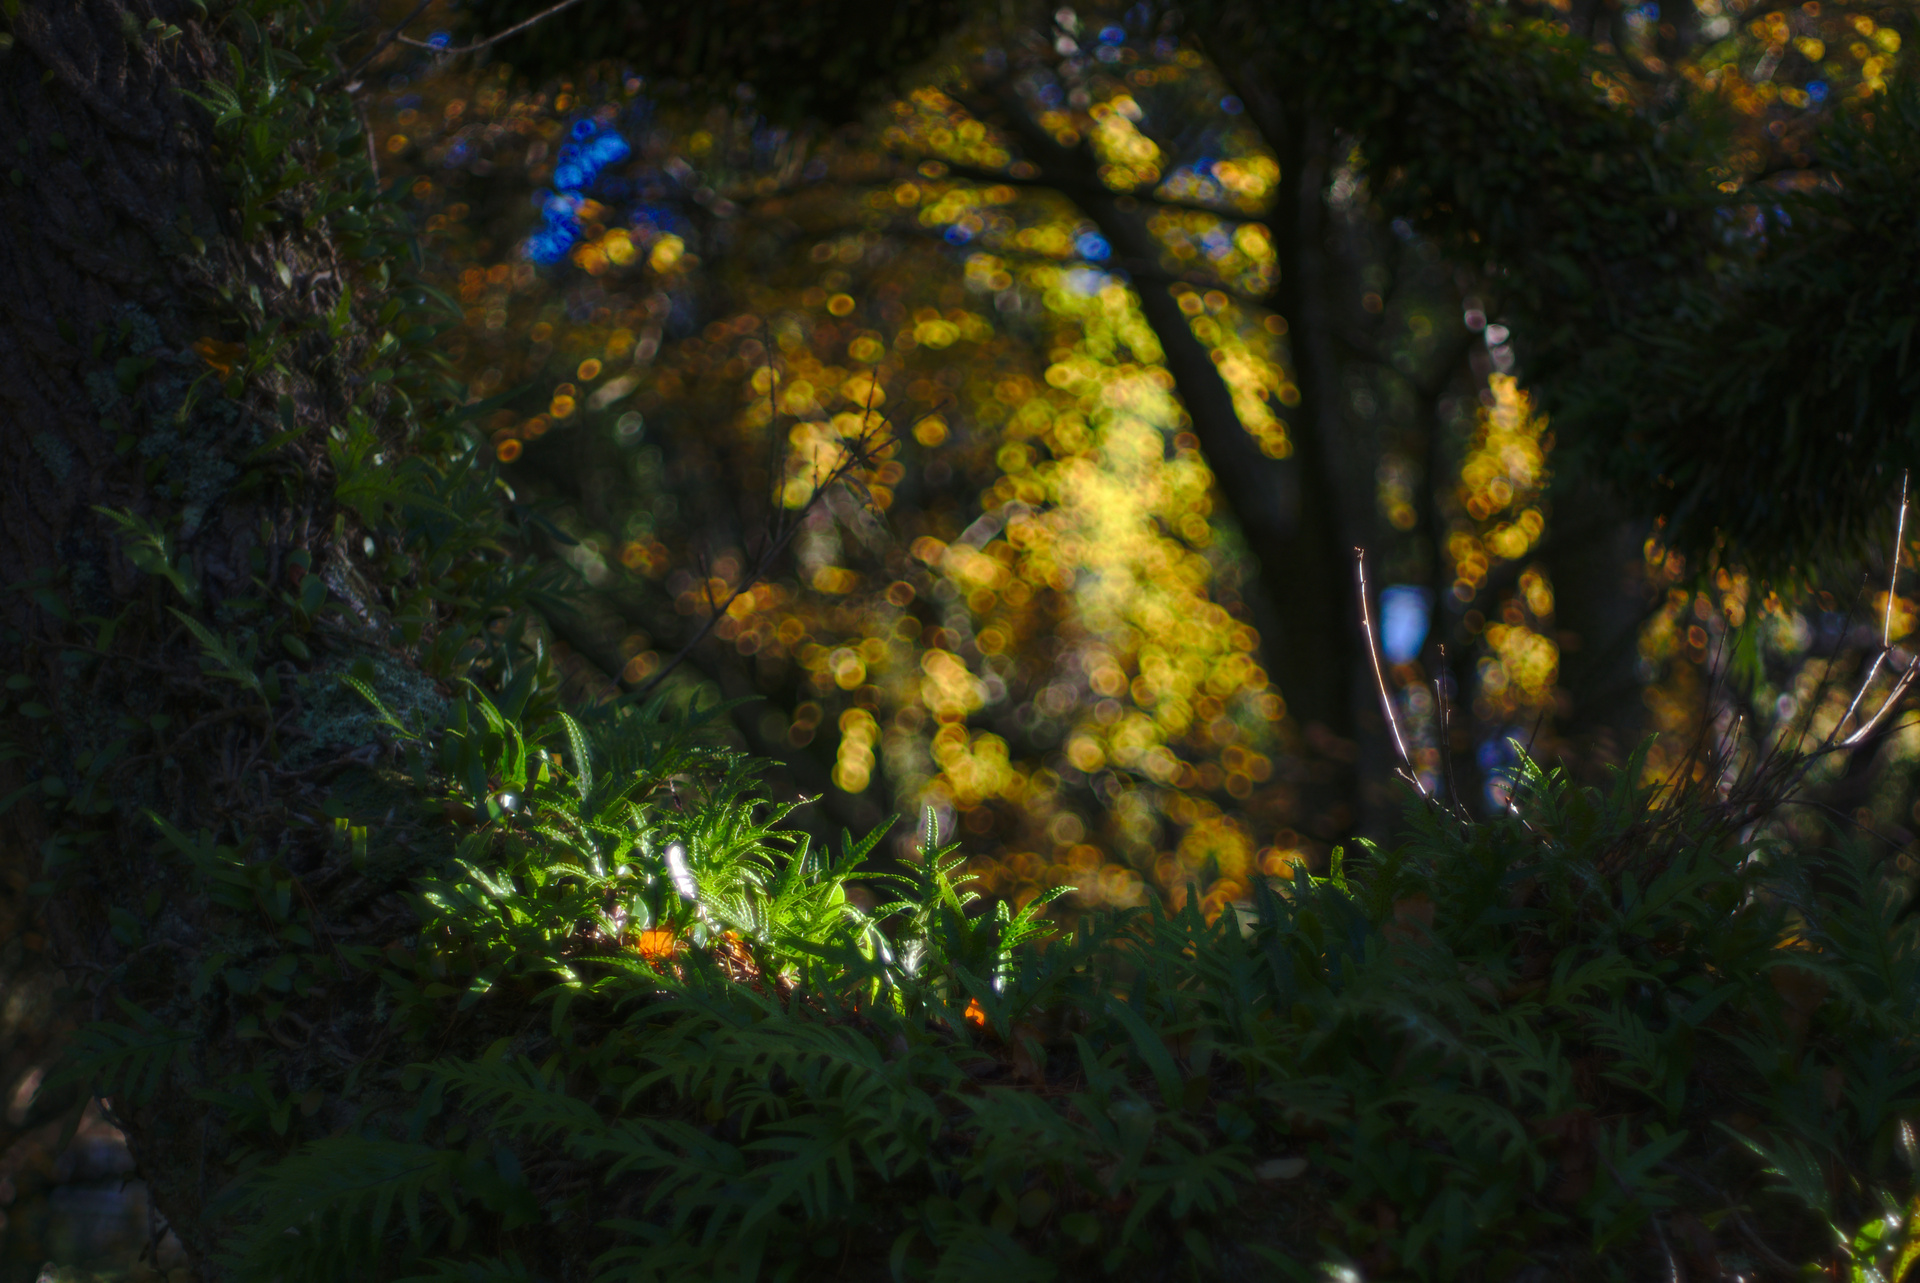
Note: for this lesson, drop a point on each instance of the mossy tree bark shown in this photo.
(126, 280)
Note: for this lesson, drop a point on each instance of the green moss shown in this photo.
(194, 454)
(138, 332)
(334, 716)
(102, 390)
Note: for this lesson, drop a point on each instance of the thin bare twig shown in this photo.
(1886, 620)
(1785, 765)
(862, 450)
(1893, 565)
(1380, 677)
(1886, 635)
(1444, 714)
(964, 172)
(346, 76)
(493, 39)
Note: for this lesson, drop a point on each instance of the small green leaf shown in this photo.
(125, 926)
(1081, 1227)
(1152, 1050)
(582, 757)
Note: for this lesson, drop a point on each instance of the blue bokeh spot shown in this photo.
(1405, 615)
(608, 149)
(576, 167)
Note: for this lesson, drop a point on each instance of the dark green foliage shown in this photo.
(1778, 402)
(1734, 354)
(1498, 145)
(1541, 1038)
(824, 60)
(1485, 130)
(1736, 359)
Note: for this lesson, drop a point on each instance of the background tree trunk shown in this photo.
(1296, 514)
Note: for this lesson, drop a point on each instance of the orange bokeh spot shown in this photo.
(220, 355)
(657, 944)
(508, 450)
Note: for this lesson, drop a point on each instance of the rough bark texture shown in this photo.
(118, 254)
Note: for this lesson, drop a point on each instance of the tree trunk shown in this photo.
(120, 251)
(1601, 603)
(1289, 511)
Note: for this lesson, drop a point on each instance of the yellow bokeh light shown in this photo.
(666, 253)
(1094, 526)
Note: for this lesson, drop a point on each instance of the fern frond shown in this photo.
(129, 1059)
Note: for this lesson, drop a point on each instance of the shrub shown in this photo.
(1603, 1034)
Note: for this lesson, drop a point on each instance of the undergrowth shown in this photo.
(1597, 1035)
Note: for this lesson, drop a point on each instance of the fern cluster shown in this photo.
(1596, 1035)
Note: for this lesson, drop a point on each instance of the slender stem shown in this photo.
(1145, 195)
(1893, 565)
(864, 450)
(498, 36)
(1893, 697)
(1443, 714)
(380, 46)
(1886, 636)
(1379, 675)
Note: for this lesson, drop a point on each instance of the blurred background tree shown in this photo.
(1126, 325)
(1163, 311)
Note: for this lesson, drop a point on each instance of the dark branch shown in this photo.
(1075, 188)
(494, 39)
(859, 453)
(380, 46)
